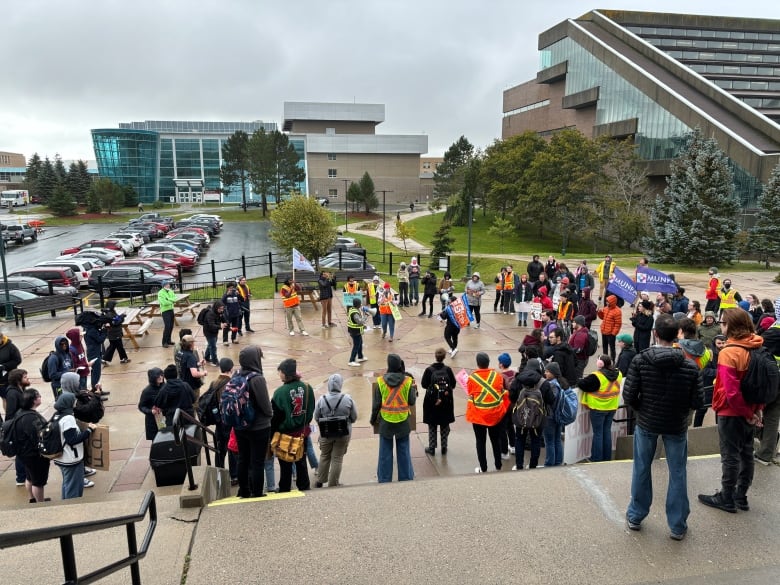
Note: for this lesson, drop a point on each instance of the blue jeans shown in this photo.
(384, 470)
(677, 505)
(357, 347)
(553, 446)
(270, 475)
(211, 349)
(601, 423)
(414, 290)
(388, 321)
(72, 480)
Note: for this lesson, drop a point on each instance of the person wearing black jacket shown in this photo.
(662, 387)
(10, 358)
(174, 394)
(326, 284)
(438, 405)
(767, 451)
(429, 292)
(212, 325)
(146, 403)
(232, 314)
(561, 353)
(114, 335)
(26, 435)
(642, 321)
(534, 269)
(17, 382)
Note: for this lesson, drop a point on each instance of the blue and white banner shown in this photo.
(654, 280)
(300, 262)
(621, 285)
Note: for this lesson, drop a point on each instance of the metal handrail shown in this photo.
(65, 534)
(182, 438)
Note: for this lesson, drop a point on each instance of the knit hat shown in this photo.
(766, 323)
(744, 305)
(226, 365)
(288, 367)
(335, 382)
(554, 369)
(565, 280)
(647, 305)
(709, 314)
(626, 338)
(188, 339)
(387, 285)
(376, 278)
(394, 363)
(170, 372)
(580, 320)
(505, 360)
(476, 274)
(679, 315)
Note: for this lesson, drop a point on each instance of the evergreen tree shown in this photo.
(441, 243)
(368, 198)
(59, 170)
(354, 194)
(61, 203)
(47, 180)
(448, 178)
(85, 179)
(34, 166)
(696, 222)
(129, 196)
(235, 162)
(765, 236)
(94, 205)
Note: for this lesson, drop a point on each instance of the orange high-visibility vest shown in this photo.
(509, 281)
(500, 283)
(608, 395)
(289, 296)
(395, 401)
(488, 401)
(351, 287)
(384, 304)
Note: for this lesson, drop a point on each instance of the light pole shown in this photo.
(9, 309)
(471, 220)
(384, 218)
(346, 209)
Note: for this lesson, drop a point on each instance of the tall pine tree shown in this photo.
(696, 222)
(765, 236)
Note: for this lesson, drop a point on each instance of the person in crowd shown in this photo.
(438, 381)
(174, 394)
(177, 348)
(333, 449)
(508, 436)
(36, 466)
(767, 451)
(548, 324)
(167, 298)
(764, 324)
(533, 339)
(222, 431)
(662, 387)
(551, 392)
(245, 293)
(445, 286)
(191, 370)
(524, 295)
(451, 325)
(709, 329)
(414, 282)
(59, 362)
(95, 333)
(534, 269)
(71, 462)
(373, 289)
(352, 286)
(511, 280)
(403, 284)
(292, 305)
(547, 305)
(769, 309)
(430, 286)
(393, 394)
(543, 281)
(499, 282)
(18, 381)
(565, 313)
(604, 272)
(586, 307)
(694, 313)
(729, 297)
(584, 279)
(601, 396)
(293, 409)
(551, 267)
(561, 353)
(253, 441)
(213, 323)
(326, 284)
(355, 324)
(680, 303)
(385, 301)
(232, 314)
(737, 420)
(485, 409)
(695, 350)
(78, 355)
(114, 335)
(611, 320)
(10, 358)
(148, 400)
(475, 289)
(627, 352)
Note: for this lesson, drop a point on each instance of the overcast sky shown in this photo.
(439, 66)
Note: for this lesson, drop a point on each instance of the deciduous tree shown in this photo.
(302, 223)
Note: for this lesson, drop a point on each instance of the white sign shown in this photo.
(579, 434)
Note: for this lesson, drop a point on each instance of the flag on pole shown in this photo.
(654, 280)
(621, 285)
(300, 262)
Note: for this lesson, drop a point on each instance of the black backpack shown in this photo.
(760, 383)
(333, 426)
(208, 407)
(440, 384)
(45, 367)
(202, 315)
(529, 412)
(88, 407)
(593, 342)
(50, 439)
(8, 443)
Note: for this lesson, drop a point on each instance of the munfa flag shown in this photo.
(621, 285)
(654, 281)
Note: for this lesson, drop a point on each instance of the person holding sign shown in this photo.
(452, 326)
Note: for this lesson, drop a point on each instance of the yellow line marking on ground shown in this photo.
(269, 497)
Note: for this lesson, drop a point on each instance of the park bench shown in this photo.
(51, 303)
(308, 281)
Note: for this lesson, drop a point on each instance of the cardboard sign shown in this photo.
(97, 450)
(395, 311)
(349, 297)
(536, 311)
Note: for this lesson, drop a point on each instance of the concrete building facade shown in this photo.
(13, 167)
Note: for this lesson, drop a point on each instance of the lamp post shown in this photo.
(9, 309)
(471, 220)
(346, 209)
(384, 192)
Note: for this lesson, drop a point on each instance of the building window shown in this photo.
(330, 131)
(331, 156)
(333, 192)
(426, 165)
(332, 174)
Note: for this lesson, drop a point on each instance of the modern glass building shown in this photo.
(170, 160)
(654, 77)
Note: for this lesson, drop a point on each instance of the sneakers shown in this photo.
(354, 364)
(430, 451)
(248, 330)
(235, 341)
(88, 471)
(125, 361)
(225, 343)
(476, 326)
(741, 502)
(512, 450)
(760, 461)
(304, 334)
(291, 333)
(19, 483)
(719, 501)
(635, 526)
(88, 483)
(478, 470)
(505, 456)
(421, 314)
(363, 359)
(516, 468)
(324, 326)
(453, 352)
(675, 536)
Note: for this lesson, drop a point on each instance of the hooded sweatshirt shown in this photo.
(394, 377)
(70, 383)
(327, 405)
(611, 316)
(60, 361)
(174, 394)
(10, 358)
(77, 353)
(72, 438)
(733, 361)
(587, 308)
(249, 360)
(147, 401)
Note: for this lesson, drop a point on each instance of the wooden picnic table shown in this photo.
(135, 325)
(181, 305)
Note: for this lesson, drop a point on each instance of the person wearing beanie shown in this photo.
(475, 288)
(414, 282)
(393, 394)
(765, 324)
(611, 320)
(485, 409)
(146, 403)
(334, 404)
(627, 352)
(403, 285)
(438, 380)
(508, 429)
(580, 343)
(293, 407)
(174, 394)
(387, 318)
(524, 295)
(222, 431)
(708, 329)
(601, 396)
(71, 461)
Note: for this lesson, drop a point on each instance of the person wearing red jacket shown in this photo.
(737, 420)
(611, 320)
(546, 306)
(711, 294)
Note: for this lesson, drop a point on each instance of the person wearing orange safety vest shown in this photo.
(601, 395)
(487, 404)
(292, 305)
(351, 287)
(245, 293)
(511, 282)
(729, 297)
(393, 394)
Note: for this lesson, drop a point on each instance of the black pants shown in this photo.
(497, 302)
(712, 305)
(451, 335)
(403, 293)
(167, 317)
(508, 437)
(608, 345)
(115, 345)
(234, 324)
(222, 433)
(736, 455)
(429, 298)
(536, 447)
(481, 432)
(475, 312)
(302, 481)
(508, 300)
(252, 447)
(245, 315)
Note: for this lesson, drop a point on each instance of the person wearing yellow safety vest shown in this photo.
(245, 293)
(355, 319)
(729, 297)
(601, 395)
(393, 394)
(604, 272)
(292, 305)
(487, 404)
(373, 289)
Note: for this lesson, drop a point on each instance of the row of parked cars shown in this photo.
(136, 259)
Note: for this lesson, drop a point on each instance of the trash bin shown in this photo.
(166, 458)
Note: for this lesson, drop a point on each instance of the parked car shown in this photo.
(347, 264)
(186, 262)
(103, 254)
(213, 217)
(156, 217)
(18, 233)
(126, 245)
(200, 239)
(16, 296)
(151, 249)
(57, 275)
(111, 245)
(149, 265)
(183, 244)
(81, 267)
(161, 263)
(344, 255)
(323, 201)
(118, 280)
(38, 286)
(137, 238)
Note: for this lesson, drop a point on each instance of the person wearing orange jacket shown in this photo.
(611, 320)
(487, 403)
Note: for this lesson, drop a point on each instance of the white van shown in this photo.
(82, 268)
(14, 198)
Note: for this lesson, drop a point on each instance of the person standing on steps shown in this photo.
(167, 298)
(292, 305)
(438, 381)
(487, 404)
(414, 282)
(475, 288)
